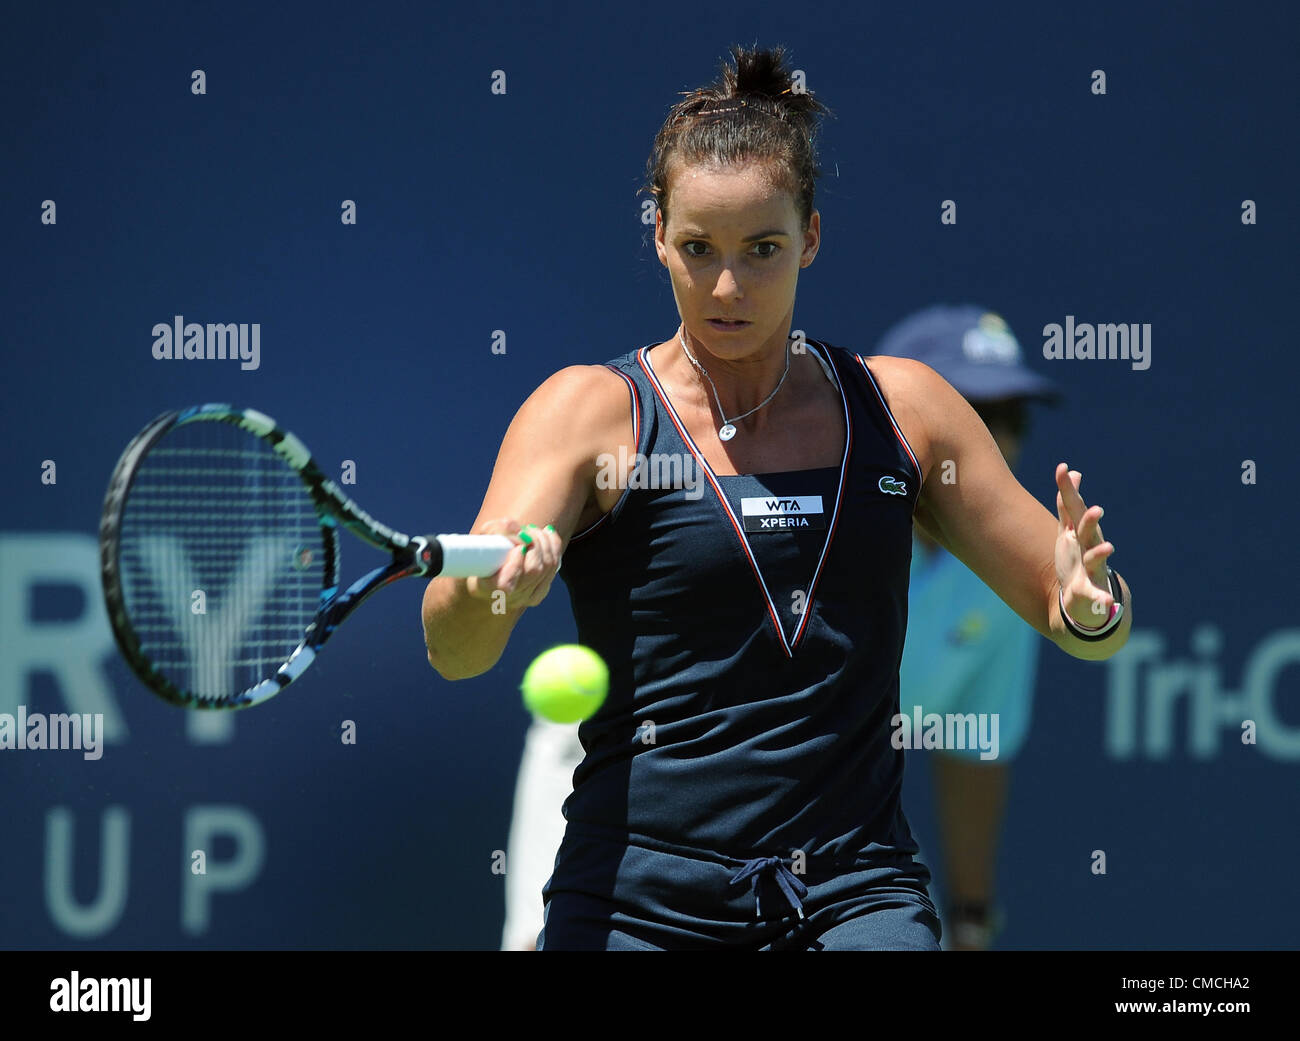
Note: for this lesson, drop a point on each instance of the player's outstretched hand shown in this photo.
(526, 575)
(1081, 552)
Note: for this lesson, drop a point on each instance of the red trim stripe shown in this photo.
(786, 645)
(897, 432)
(839, 499)
(644, 360)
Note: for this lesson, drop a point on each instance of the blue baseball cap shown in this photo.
(972, 348)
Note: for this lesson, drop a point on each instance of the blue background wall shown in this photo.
(517, 212)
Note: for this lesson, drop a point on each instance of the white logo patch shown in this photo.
(778, 513)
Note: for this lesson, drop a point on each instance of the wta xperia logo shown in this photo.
(1149, 691)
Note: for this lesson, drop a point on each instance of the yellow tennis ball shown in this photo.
(566, 684)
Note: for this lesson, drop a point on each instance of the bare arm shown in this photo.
(994, 526)
(545, 474)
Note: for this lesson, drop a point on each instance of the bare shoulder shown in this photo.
(576, 417)
(579, 415)
(591, 399)
(548, 460)
(574, 383)
(917, 396)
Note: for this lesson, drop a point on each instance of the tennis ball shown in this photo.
(565, 684)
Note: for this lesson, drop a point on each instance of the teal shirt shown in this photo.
(966, 650)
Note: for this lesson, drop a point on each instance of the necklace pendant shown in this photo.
(727, 432)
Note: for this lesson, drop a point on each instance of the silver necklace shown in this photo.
(728, 430)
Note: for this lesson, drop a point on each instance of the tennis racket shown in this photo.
(219, 553)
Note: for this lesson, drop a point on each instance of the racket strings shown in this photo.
(221, 557)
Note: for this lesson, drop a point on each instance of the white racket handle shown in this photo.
(465, 555)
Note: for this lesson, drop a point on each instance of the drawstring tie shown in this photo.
(791, 888)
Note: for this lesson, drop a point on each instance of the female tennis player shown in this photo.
(735, 512)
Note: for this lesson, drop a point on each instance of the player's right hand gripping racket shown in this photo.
(219, 552)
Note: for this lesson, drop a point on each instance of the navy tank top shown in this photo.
(753, 626)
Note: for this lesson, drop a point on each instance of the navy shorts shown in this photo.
(607, 895)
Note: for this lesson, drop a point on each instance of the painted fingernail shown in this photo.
(550, 527)
(525, 537)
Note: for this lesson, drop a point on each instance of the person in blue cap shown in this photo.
(967, 653)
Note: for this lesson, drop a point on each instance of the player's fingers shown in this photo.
(1063, 521)
(557, 545)
(1088, 595)
(537, 551)
(1090, 530)
(548, 542)
(540, 561)
(516, 564)
(1089, 589)
(548, 551)
(1067, 482)
(514, 570)
(549, 547)
(1094, 562)
(509, 568)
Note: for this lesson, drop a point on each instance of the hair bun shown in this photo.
(758, 72)
(757, 110)
(762, 76)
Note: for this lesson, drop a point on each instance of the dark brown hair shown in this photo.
(751, 112)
